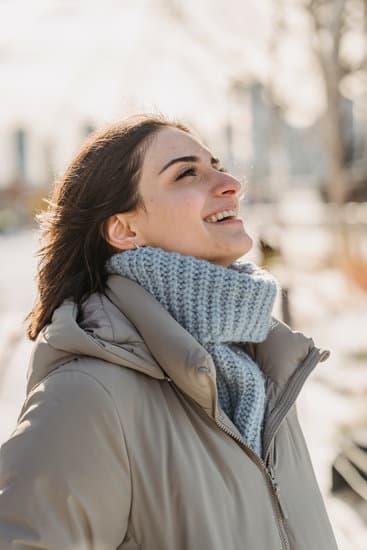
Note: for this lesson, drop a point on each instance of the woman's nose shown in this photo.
(225, 184)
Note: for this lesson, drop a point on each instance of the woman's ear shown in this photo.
(117, 232)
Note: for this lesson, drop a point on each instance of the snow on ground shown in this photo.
(333, 400)
(325, 307)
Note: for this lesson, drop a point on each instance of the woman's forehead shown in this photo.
(169, 143)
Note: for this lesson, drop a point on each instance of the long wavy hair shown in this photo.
(101, 181)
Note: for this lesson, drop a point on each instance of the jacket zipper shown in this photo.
(279, 412)
(267, 471)
(271, 481)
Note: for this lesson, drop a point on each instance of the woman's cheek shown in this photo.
(192, 201)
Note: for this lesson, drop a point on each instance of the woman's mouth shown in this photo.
(225, 216)
(226, 221)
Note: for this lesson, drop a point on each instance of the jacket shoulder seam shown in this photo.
(56, 372)
(123, 435)
(89, 375)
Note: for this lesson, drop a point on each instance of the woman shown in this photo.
(160, 410)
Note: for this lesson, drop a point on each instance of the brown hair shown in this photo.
(101, 181)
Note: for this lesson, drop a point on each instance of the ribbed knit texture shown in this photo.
(220, 307)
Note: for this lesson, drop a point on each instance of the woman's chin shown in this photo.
(232, 253)
(242, 245)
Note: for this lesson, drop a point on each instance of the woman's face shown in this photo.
(182, 187)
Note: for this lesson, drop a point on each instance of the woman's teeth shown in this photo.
(221, 215)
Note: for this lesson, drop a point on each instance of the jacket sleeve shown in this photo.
(64, 472)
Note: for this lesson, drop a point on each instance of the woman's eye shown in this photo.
(192, 172)
(188, 172)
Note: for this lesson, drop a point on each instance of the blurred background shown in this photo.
(278, 90)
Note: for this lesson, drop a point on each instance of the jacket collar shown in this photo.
(129, 327)
(184, 360)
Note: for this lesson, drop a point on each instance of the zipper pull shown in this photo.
(277, 492)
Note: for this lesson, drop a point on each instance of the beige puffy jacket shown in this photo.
(121, 442)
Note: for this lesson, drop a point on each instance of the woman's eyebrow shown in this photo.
(190, 158)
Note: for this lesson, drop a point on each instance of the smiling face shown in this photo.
(182, 186)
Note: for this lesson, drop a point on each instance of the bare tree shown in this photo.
(334, 21)
(328, 21)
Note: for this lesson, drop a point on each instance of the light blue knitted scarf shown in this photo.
(220, 307)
